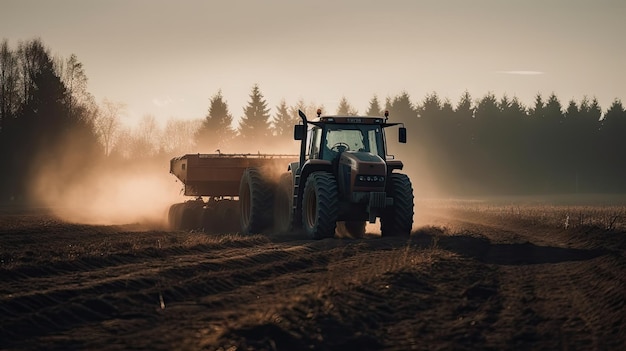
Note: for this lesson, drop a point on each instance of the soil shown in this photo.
(463, 281)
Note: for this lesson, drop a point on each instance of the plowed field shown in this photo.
(465, 279)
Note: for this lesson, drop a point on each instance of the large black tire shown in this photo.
(255, 202)
(184, 216)
(221, 217)
(283, 204)
(320, 206)
(190, 216)
(353, 229)
(397, 220)
(227, 212)
(174, 216)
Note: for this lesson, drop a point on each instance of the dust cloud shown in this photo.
(110, 198)
(105, 192)
(425, 175)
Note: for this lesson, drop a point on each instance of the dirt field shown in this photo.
(468, 278)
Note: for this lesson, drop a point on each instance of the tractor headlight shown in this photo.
(370, 180)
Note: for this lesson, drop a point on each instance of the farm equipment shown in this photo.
(341, 179)
(216, 177)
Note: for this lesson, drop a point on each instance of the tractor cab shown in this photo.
(330, 140)
(330, 136)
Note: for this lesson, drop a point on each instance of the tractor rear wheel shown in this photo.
(397, 220)
(320, 206)
(255, 202)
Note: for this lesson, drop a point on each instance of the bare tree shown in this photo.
(32, 58)
(178, 136)
(309, 109)
(146, 137)
(75, 80)
(9, 95)
(108, 123)
(121, 149)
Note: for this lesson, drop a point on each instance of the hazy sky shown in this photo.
(168, 58)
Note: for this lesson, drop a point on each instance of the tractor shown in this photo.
(342, 179)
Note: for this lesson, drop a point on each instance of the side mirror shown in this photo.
(402, 135)
(299, 132)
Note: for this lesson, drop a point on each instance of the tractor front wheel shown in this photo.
(320, 206)
(397, 220)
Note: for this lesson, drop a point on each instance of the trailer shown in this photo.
(213, 182)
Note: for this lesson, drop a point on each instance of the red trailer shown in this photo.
(214, 182)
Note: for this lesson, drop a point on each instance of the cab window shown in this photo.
(316, 138)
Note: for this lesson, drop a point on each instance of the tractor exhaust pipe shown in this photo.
(300, 134)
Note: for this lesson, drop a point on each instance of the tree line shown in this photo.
(489, 145)
(499, 146)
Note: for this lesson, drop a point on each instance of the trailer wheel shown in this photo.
(190, 216)
(255, 202)
(173, 216)
(320, 205)
(397, 220)
(283, 204)
(185, 216)
(226, 214)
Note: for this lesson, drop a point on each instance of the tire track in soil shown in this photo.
(402, 306)
(127, 291)
(559, 289)
(481, 285)
(564, 308)
(46, 300)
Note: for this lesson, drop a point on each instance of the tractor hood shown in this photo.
(364, 163)
(360, 172)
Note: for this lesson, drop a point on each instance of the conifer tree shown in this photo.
(401, 109)
(284, 121)
(216, 131)
(374, 109)
(537, 111)
(255, 123)
(345, 109)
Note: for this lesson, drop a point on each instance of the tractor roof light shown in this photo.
(319, 112)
